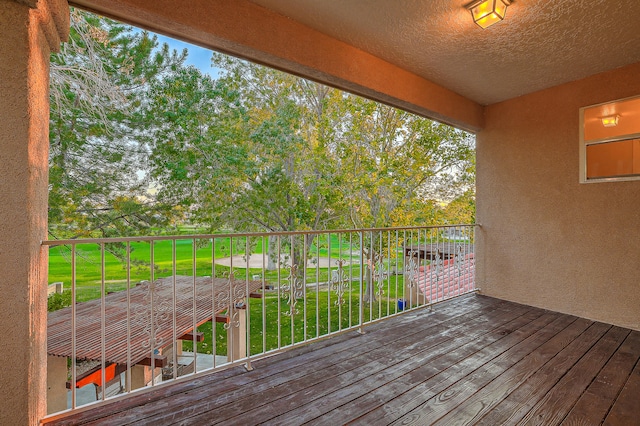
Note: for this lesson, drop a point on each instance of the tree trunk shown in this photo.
(369, 293)
(272, 253)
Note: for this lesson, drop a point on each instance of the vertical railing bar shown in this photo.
(472, 253)
(414, 274)
(444, 270)
(397, 244)
(454, 275)
(408, 241)
(318, 285)
(264, 294)
(292, 289)
(438, 266)
(454, 272)
(194, 270)
(73, 326)
(350, 276)
(473, 241)
(371, 278)
(103, 325)
(175, 303)
(405, 272)
(427, 263)
(428, 267)
(152, 336)
(453, 282)
(304, 287)
(340, 282)
(462, 263)
(449, 257)
(421, 262)
(329, 272)
(231, 308)
(214, 324)
(247, 299)
(380, 256)
(361, 295)
(468, 247)
(465, 258)
(279, 296)
(129, 366)
(388, 270)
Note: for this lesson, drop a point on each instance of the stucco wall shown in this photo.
(29, 30)
(545, 239)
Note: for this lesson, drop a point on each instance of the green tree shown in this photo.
(98, 89)
(247, 151)
(395, 165)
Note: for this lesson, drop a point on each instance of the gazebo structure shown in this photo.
(132, 327)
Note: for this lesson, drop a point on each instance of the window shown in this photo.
(610, 141)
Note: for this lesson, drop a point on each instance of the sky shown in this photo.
(198, 56)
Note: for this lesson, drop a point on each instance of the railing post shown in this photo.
(361, 295)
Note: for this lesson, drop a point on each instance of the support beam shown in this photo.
(140, 376)
(244, 29)
(237, 333)
(29, 31)
(56, 384)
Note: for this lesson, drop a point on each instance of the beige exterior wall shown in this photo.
(28, 30)
(547, 240)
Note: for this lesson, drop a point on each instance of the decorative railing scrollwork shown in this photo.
(233, 297)
(150, 314)
(339, 282)
(292, 290)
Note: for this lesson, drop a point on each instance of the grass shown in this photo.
(269, 330)
(89, 262)
(323, 315)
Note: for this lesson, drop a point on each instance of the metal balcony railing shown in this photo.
(148, 310)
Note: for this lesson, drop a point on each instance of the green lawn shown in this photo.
(89, 261)
(269, 330)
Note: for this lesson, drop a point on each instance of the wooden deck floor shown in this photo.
(473, 360)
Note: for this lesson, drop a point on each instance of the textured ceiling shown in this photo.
(540, 44)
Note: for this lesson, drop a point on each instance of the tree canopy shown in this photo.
(99, 85)
(141, 142)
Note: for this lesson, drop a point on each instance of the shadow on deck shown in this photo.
(473, 359)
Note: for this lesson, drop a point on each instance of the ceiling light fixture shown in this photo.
(487, 12)
(610, 121)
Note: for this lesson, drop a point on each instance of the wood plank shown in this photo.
(596, 401)
(471, 410)
(553, 407)
(466, 353)
(284, 405)
(447, 312)
(346, 365)
(359, 398)
(447, 400)
(523, 399)
(401, 404)
(626, 409)
(198, 336)
(159, 361)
